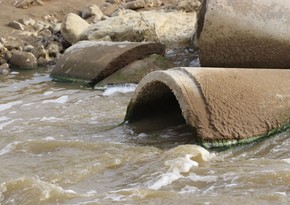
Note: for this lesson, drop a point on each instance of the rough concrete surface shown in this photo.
(226, 106)
(252, 33)
(91, 61)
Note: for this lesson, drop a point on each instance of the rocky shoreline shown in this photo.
(40, 42)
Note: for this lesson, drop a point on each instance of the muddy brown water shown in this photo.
(65, 144)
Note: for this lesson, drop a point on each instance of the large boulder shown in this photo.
(169, 28)
(89, 62)
(241, 33)
(72, 27)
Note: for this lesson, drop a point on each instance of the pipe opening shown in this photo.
(156, 109)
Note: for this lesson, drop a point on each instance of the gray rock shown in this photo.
(28, 48)
(137, 4)
(109, 9)
(4, 69)
(153, 3)
(54, 48)
(92, 10)
(16, 25)
(43, 61)
(23, 60)
(27, 21)
(24, 4)
(170, 28)
(45, 32)
(114, 1)
(72, 27)
(188, 5)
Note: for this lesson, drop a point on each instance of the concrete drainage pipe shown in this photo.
(225, 106)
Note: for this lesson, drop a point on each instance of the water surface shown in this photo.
(65, 144)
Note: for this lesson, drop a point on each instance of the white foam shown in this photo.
(27, 104)
(50, 119)
(197, 178)
(8, 148)
(2, 125)
(188, 189)
(176, 167)
(122, 46)
(184, 158)
(60, 100)
(4, 118)
(49, 138)
(165, 179)
(47, 93)
(125, 88)
(286, 160)
(9, 105)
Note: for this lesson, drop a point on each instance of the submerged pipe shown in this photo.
(244, 33)
(224, 106)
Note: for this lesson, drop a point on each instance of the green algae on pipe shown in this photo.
(244, 33)
(225, 106)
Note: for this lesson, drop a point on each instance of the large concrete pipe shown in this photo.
(244, 33)
(225, 106)
(89, 62)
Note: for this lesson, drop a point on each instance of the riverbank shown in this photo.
(32, 32)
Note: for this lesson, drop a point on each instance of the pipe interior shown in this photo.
(158, 109)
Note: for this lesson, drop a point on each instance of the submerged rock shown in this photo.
(90, 62)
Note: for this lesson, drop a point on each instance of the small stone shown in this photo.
(108, 9)
(4, 66)
(3, 40)
(28, 48)
(45, 32)
(23, 60)
(16, 25)
(55, 27)
(27, 21)
(153, 3)
(188, 5)
(24, 4)
(138, 4)
(92, 10)
(54, 48)
(41, 61)
(38, 26)
(114, 1)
